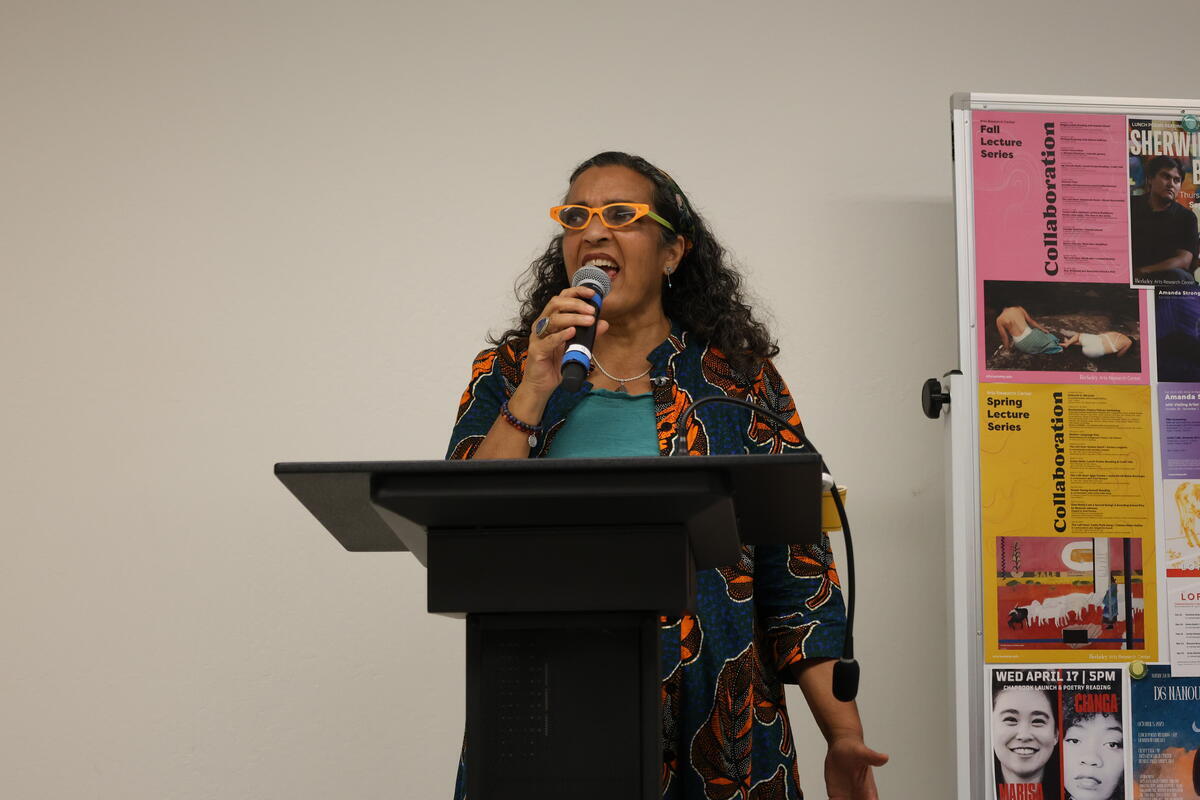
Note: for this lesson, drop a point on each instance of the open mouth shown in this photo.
(610, 267)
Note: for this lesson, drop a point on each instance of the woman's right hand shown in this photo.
(566, 312)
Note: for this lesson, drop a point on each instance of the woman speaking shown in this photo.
(675, 328)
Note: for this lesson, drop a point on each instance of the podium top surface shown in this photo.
(389, 505)
(541, 466)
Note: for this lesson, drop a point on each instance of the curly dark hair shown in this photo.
(705, 297)
(1073, 717)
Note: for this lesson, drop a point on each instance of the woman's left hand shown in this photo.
(848, 766)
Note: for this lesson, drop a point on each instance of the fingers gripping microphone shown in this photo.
(577, 360)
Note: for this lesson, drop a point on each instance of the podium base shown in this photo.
(563, 705)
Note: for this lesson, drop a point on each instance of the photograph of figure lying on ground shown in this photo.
(1066, 593)
(1061, 327)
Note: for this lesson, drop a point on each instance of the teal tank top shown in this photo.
(608, 425)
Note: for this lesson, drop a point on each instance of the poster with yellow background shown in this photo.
(1067, 509)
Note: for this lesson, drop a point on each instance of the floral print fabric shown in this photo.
(725, 724)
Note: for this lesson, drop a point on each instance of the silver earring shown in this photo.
(669, 271)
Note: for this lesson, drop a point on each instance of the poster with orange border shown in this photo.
(1067, 491)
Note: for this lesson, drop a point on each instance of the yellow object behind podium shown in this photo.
(829, 516)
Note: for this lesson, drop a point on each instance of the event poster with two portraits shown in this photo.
(1060, 733)
(1088, 346)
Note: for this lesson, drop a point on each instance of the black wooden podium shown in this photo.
(562, 568)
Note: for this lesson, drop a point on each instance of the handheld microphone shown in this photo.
(577, 360)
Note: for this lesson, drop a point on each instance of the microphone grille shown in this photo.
(593, 276)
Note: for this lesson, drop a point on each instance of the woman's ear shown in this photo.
(675, 251)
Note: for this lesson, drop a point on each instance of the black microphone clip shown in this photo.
(845, 679)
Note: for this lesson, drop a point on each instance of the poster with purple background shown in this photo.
(1179, 429)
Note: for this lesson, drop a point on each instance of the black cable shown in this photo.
(848, 648)
(846, 671)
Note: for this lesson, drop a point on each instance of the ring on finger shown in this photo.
(542, 327)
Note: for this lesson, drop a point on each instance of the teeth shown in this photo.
(600, 262)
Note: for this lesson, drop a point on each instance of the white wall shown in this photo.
(239, 233)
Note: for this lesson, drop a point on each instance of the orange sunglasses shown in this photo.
(613, 215)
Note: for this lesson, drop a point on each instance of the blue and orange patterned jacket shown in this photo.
(725, 725)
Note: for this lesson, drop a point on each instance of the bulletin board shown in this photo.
(1074, 445)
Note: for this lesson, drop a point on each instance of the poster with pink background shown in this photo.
(1053, 301)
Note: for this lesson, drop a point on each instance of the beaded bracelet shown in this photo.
(523, 427)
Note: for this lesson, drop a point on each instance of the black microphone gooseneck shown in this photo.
(845, 671)
(577, 359)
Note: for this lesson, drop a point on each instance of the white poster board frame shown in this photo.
(971, 693)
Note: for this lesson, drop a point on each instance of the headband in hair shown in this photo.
(686, 225)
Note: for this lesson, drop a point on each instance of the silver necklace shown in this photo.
(620, 381)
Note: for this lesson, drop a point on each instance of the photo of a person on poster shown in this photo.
(1025, 742)
(1162, 231)
(1093, 746)
(1098, 345)
(1020, 331)
(1061, 327)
